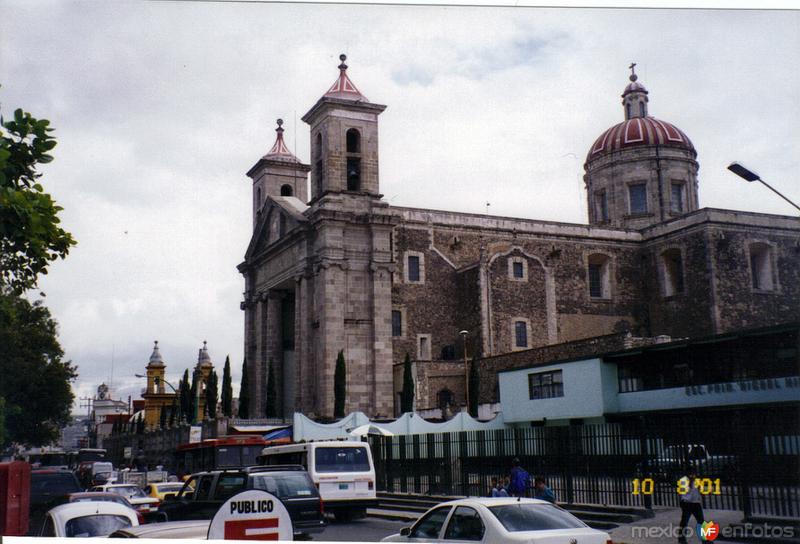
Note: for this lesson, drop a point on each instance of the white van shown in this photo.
(342, 471)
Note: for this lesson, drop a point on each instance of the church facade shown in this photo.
(338, 269)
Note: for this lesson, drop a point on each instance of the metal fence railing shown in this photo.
(750, 466)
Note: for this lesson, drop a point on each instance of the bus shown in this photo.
(49, 459)
(342, 471)
(214, 453)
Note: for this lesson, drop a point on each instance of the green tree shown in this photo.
(272, 396)
(212, 394)
(474, 388)
(30, 237)
(173, 410)
(193, 415)
(244, 393)
(35, 380)
(227, 389)
(339, 386)
(185, 389)
(2, 421)
(407, 396)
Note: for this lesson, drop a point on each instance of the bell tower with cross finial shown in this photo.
(278, 173)
(344, 140)
(634, 99)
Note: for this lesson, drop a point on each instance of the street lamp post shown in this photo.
(464, 334)
(750, 176)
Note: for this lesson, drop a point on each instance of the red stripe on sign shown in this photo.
(248, 529)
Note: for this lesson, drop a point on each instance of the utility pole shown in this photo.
(89, 404)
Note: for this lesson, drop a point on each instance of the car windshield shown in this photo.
(534, 517)
(53, 484)
(168, 488)
(95, 525)
(334, 459)
(128, 491)
(285, 485)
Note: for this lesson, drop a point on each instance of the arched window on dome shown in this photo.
(286, 190)
(642, 111)
(628, 110)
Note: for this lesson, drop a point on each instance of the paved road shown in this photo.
(362, 530)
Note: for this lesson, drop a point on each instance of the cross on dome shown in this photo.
(343, 87)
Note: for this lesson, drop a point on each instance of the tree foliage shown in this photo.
(193, 416)
(2, 421)
(212, 394)
(339, 386)
(227, 389)
(407, 396)
(30, 235)
(35, 380)
(244, 393)
(186, 396)
(474, 388)
(271, 409)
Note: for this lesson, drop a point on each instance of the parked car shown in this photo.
(161, 489)
(135, 495)
(87, 519)
(49, 488)
(498, 521)
(204, 492)
(194, 529)
(675, 461)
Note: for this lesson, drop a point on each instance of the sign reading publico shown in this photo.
(251, 515)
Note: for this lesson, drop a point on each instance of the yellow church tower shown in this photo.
(156, 398)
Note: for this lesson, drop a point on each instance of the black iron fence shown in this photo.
(739, 465)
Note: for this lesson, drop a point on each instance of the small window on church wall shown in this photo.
(413, 268)
(676, 198)
(286, 190)
(353, 141)
(602, 206)
(519, 270)
(424, 351)
(599, 276)
(672, 267)
(638, 198)
(761, 267)
(520, 334)
(397, 323)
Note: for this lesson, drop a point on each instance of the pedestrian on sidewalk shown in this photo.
(691, 503)
(520, 479)
(497, 489)
(541, 491)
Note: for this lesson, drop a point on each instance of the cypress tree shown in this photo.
(474, 388)
(272, 396)
(339, 386)
(186, 396)
(193, 404)
(244, 393)
(172, 411)
(211, 395)
(407, 396)
(227, 389)
(162, 417)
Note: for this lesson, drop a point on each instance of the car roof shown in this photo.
(494, 501)
(70, 510)
(86, 494)
(257, 468)
(170, 529)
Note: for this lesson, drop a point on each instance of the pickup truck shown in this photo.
(204, 492)
(675, 461)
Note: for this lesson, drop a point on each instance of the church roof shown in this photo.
(155, 357)
(279, 151)
(203, 358)
(639, 132)
(343, 87)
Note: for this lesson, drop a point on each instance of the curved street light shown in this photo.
(750, 176)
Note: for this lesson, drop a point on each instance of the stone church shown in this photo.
(332, 266)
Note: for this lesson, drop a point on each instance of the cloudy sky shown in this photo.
(161, 107)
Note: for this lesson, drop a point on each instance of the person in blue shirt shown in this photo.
(541, 491)
(497, 489)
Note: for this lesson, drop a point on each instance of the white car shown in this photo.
(86, 519)
(497, 521)
(135, 495)
(195, 529)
